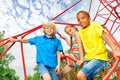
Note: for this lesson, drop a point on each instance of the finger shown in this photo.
(55, 70)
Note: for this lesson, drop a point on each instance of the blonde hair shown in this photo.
(51, 25)
(74, 27)
(70, 26)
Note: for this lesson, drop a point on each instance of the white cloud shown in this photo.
(23, 3)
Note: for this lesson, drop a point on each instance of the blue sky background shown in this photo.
(18, 16)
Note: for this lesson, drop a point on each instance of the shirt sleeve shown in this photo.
(32, 41)
(60, 47)
(98, 28)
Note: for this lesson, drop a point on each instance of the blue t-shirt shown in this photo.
(46, 49)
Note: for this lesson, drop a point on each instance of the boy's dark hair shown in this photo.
(85, 12)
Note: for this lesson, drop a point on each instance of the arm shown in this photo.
(66, 40)
(59, 60)
(18, 40)
(109, 41)
(80, 47)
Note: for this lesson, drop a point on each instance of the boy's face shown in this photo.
(83, 20)
(49, 31)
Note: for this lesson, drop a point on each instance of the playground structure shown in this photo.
(108, 11)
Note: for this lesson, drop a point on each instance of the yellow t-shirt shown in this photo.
(93, 43)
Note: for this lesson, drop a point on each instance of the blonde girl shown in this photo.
(75, 52)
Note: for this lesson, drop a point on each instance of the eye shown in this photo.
(78, 19)
(83, 17)
(67, 32)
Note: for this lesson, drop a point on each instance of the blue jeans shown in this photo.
(44, 69)
(92, 67)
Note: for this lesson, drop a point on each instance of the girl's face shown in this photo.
(49, 31)
(83, 20)
(70, 31)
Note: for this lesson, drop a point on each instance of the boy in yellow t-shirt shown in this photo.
(92, 37)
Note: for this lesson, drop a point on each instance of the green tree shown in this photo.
(35, 76)
(6, 73)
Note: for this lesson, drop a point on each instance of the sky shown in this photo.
(18, 16)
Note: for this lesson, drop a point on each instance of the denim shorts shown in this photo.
(44, 69)
(92, 67)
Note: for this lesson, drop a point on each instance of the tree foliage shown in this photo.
(6, 73)
(35, 76)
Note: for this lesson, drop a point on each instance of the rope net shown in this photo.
(108, 13)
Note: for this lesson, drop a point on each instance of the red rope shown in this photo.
(23, 61)
(108, 4)
(3, 54)
(115, 41)
(65, 10)
(4, 43)
(63, 23)
(90, 5)
(113, 25)
(111, 70)
(4, 39)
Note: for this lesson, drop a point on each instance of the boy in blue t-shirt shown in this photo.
(48, 51)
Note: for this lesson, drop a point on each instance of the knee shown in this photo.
(46, 77)
(78, 76)
(81, 76)
(61, 75)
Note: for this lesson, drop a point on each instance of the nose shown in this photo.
(80, 22)
(70, 33)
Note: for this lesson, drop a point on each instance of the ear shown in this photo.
(43, 30)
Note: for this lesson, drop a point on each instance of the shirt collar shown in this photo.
(53, 36)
